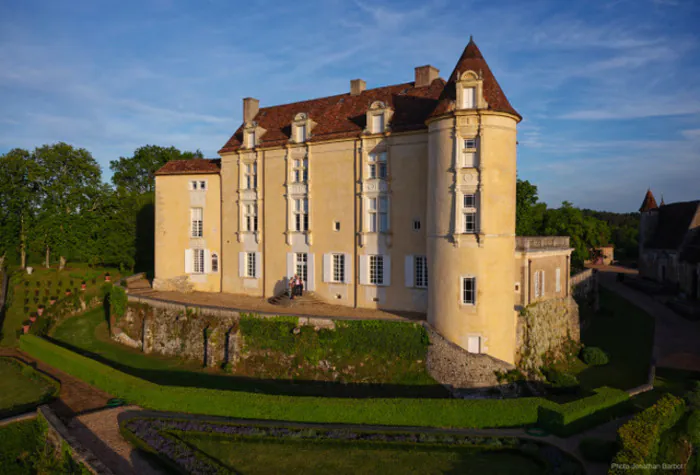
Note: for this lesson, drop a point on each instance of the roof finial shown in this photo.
(662, 200)
(471, 38)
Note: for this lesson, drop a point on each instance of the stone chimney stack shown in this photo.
(425, 75)
(250, 109)
(357, 86)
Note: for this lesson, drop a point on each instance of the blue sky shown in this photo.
(609, 90)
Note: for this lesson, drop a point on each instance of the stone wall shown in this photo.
(544, 330)
(584, 286)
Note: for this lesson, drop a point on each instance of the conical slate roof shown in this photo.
(649, 202)
(473, 60)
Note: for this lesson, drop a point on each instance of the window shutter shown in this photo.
(542, 283)
(258, 265)
(558, 277)
(327, 264)
(348, 269)
(290, 265)
(408, 269)
(241, 264)
(207, 261)
(387, 270)
(311, 284)
(189, 260)
(364, 270)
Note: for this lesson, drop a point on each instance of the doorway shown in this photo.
(301, 260)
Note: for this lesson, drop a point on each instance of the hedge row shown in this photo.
(53, 388)
(474, 413)
(576, 416)
(639, 438)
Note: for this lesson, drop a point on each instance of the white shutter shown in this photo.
(542, 283)
(348, 269)
(558, 277)
(189, 261)
(387, 270)
(364, 270)
(290, 265)
(327, 264)
(408, 269)
(310, 274)
(241, 264)
(258, 265)
(207, 261)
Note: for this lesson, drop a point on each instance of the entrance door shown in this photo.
(300, 265)
(474, 344)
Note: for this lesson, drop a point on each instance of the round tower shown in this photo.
(471, 211)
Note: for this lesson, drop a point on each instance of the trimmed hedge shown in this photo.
(639, 437)
(576, 416)
(594, 356)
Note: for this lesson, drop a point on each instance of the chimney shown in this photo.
(250, 109)
(425, 75)
(357, 86)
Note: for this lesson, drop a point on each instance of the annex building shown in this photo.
(399, 197)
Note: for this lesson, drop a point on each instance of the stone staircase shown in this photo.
(283, 300)
(138, 284)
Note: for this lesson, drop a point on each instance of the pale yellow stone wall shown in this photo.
(174, 199)
(526, 264)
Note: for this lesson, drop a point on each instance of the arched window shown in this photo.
(215, 262)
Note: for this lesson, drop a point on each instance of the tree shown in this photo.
(528, 212)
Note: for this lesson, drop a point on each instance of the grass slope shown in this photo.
(21, 388)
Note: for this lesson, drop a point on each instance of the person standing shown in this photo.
(300, 286)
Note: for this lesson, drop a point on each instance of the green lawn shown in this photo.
(273, 456)
(626, 334)
(27, 292)
(21, 388)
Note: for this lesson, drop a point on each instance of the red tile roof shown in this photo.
(195, 166)
(649, 202)
(344, 115)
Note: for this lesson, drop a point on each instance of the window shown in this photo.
(469, 290)
(469, 153)
(469, 213)
(378, 123)
(336, 225)
(251, 138)
(420, 267)
(416, 224)
(377, 165)
(469, 143)
(339, 268)
(250, 217)
(539, 283)
(376, 270)
(301, 260)
(193, 185)
(198, 256)
(215, 262)
(300, 171)
(202, 185)
(251, 176)
(250, 265)
(197, 224)
(469, 98)
(378, 214)
(557, 274)
(301, 134)
(474, 344)
(301, 214)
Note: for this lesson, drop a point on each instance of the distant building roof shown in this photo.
(195, 166)
(674, 223)
(649, 202)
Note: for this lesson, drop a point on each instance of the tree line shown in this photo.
(55, 207)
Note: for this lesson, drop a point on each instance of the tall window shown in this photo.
(338, 267)
(469, 290)
(251, 176)
(197, 223)
(469, 213)
(300, 172)
(251, 138)
(378, 214)
(250, 217)
(301, 214)
(376, 270)
(301, 134)
(469, 98)
(301, 260)
(198, 256)
(202, 185)
(377, 165)
(250, 265)
(557, 274)
(420, 268)
(469, 151)
(214, 262)
(539, 283)
(378, 123)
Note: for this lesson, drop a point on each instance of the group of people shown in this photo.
(296, 287)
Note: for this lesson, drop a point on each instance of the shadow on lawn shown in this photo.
(266, 386)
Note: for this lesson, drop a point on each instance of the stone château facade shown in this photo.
(399, 197)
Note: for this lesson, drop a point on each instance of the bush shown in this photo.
(693, 428)
(117, 301)
(693, 396)
(594, 356)
(639, 437)
(561, 382)
(597, 450)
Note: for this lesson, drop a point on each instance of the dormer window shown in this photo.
(378, 116)
(301, 133)
(469, 98)
(250, 139)
(301, 128)
(378, 124)
(470, 91)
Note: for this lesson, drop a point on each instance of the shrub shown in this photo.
(597, 450)
(693, 396)
(594, 356)
(561, 382)
(693, 428)
(117, 301)
(639, 437)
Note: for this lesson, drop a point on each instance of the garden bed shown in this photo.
(22, 388)
(216, 447)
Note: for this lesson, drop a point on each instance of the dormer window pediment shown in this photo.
(251, 134)
(470, 91)
(378, 117)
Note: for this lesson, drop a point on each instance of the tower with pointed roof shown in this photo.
(471, 209)
(648, 221)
